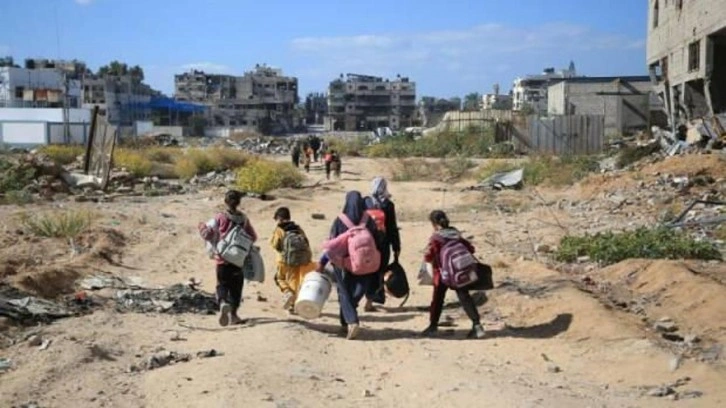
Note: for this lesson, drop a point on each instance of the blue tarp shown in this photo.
(171, 105)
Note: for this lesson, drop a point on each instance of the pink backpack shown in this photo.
(458, 265)
(355, 250)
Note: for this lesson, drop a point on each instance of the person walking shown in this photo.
(351, 286)
(443, 233)
(296, 152)
(230, 278)
(383, 211)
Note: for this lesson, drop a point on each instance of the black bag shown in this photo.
(395, 281)
(484, 279)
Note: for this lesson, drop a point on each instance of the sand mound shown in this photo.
(49, 267)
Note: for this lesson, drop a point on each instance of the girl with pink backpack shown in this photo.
(446, 248)
(354, 252)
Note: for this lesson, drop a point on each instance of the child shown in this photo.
(230, 278)
(443, 233)
(308, 158)
(294, 256)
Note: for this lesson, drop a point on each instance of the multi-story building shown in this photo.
(363, 102)
(496, 101)
(124, 99)
(687, 56)
(38, 88)
(316, 107)
(531, 91)
(264, 98)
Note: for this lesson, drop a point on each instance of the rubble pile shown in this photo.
(268, 146)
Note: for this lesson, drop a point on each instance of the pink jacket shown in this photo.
(214, 229)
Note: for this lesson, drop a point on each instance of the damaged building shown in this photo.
(627, 103)
(363, 102)
(262, 99)
(530, 92)
(687, 56)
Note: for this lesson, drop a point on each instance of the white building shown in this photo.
(531, 91)
(31, 127)
(37, 88)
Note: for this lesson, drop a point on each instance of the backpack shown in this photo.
(355, 250)
(379, 216)
(296, 249)
(458, 265)
(235, 245)
(254, 267)
(395, 281)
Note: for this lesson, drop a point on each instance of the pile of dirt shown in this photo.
(688, 295)
(49, 267)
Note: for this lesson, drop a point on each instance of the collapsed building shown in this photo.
(363, 102)
(687, 57)
(263, 99)
(124, 99)
(316, 107)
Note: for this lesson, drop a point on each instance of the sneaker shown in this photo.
(430, 331)
(353, 330)
(224, 310)
(477, 332)
(236, 320)
(288, 301)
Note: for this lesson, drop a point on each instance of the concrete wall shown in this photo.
(33, 126)
(227, 131)
(625, 105)
(678, 28)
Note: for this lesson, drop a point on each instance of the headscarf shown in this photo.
(354, 206)
(379, 190)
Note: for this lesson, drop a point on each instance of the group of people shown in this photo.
(311, 150)
(374, 214)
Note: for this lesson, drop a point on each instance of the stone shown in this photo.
(543, 248)
(665, 327)
(583, 259)
(553, 368)
(661, 392)
(124, 190)
(35, 341)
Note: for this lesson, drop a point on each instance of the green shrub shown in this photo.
(134, 161)
(63, 154)
(657, 243)
(67, 224)
(14, 176)
(17, 197)
(263, 176)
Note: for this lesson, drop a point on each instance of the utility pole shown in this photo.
(66, 110)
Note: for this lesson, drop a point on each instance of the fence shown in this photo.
(567, 134)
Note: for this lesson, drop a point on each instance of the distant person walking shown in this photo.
(230, 278)
(296, 152)
(380, 207)
(332, 164)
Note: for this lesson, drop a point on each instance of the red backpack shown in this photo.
(379, 216)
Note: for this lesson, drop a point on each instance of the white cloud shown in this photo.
(483, 51)
(208, 67)
(84, 2)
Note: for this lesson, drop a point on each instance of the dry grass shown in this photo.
(134, 161)
(263, 176)
(430, 170)
(68, 224)
(63, 154)
(549, 170)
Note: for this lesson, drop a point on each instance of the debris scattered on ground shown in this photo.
(5, 364)
(500, 181)
(671, 390)
(665, 325)
(179, 298)
(29, 309)
(166, 358)
(318, 216)
(109, 281)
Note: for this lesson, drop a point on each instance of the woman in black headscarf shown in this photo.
(351, 288)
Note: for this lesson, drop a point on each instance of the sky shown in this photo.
(449, 47)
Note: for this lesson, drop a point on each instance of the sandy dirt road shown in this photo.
(597, 357)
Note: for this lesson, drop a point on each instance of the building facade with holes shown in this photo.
(686, 55)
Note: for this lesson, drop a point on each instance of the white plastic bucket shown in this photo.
(314, 292)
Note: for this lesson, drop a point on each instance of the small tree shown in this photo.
(472, 102)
